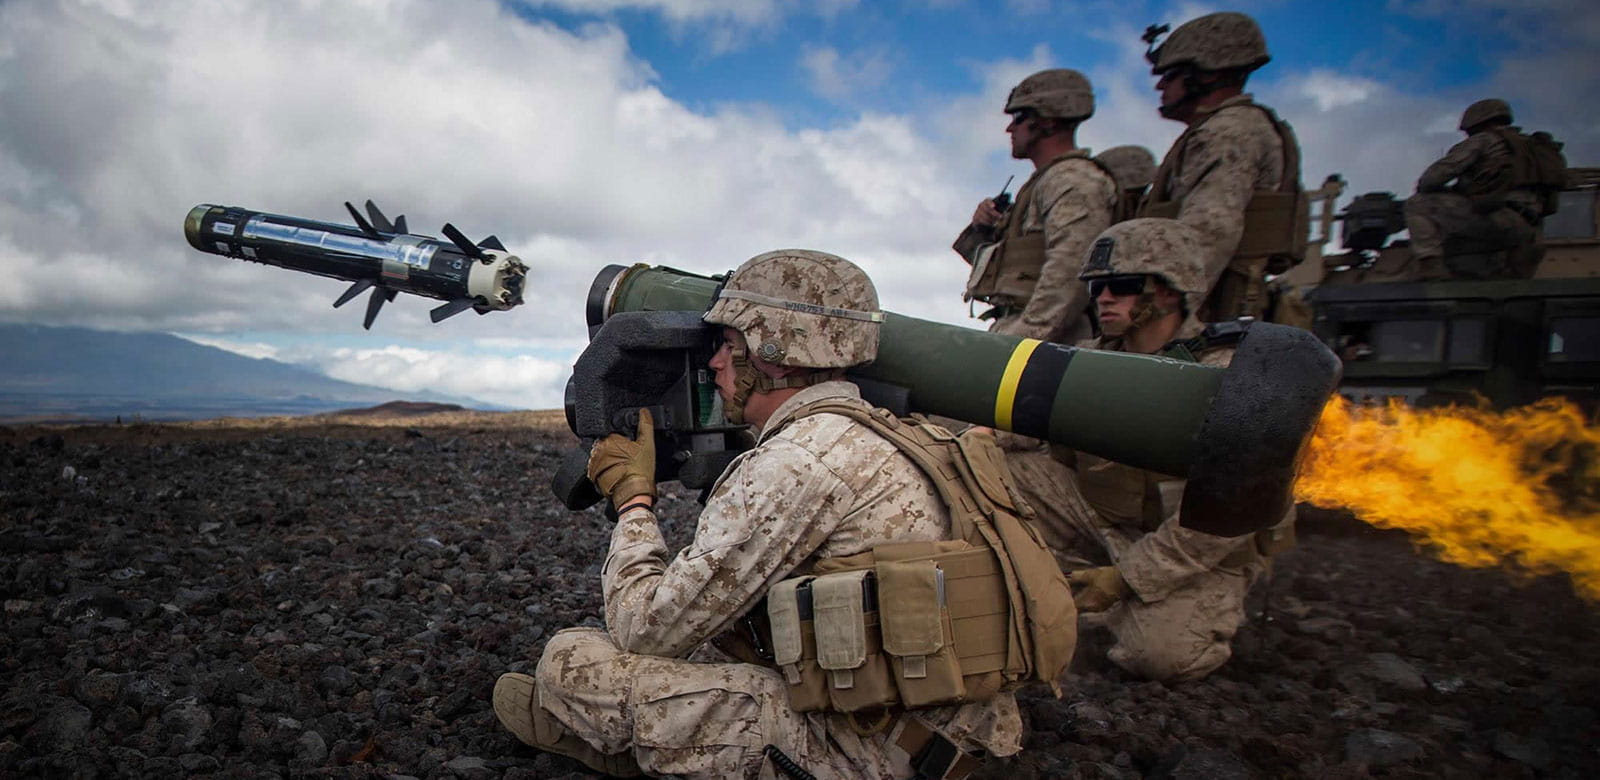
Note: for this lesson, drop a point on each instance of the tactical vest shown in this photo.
(925, 624)
(1007, 271)
(1534, 163)
(1275, 221)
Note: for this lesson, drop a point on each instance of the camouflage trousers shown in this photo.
(1446, 223)
(1186, 635)
(691, 718)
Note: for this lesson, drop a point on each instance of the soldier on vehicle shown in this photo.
(1025, 258)
(1234, 173)
(1485, 199)
(651, 694)
(1171, 597)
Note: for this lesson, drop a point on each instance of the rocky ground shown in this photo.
(338, 601)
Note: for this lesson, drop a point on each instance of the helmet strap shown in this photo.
(1146, 311)
(748, 379)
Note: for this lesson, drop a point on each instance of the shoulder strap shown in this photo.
(1215, 335)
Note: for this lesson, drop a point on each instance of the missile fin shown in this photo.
(462, 243)
(361, 221)
(356, 288)
(492, 243)
(380, 296)
(379, 221)
(400, 224)
(451, 309)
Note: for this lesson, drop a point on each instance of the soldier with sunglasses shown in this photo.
(1171, 597)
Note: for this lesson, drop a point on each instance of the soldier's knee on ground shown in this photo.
(1166, 661)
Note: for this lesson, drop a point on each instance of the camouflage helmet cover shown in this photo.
(799, 307)
(1219, 41)
(1485, 110)
(1132, 166)
(1161, 247)
(1059, 93)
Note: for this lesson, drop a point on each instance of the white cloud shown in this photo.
(837, 77)
(518, 382)
(114, 121)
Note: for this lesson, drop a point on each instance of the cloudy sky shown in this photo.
(693, 133)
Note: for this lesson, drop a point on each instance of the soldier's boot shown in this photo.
(516, 704)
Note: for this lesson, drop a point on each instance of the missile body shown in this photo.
(1237, 433)
(373, 254)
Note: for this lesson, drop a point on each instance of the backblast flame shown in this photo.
(1516, 488)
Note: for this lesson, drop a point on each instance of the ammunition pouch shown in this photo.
(888, 636)
(1008, 269)
(1275, 227)
(924, 624)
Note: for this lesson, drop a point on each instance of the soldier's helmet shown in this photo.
(1219, 41)
(1161, 247)
(1484, 111)
(798, 307)
(1132, 166)
(1059, 93)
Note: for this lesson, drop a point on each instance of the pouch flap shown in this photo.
(840, 619)
(911, 600)
(783, 613)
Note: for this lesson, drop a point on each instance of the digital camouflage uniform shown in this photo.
(1439, 212)
(1070, 200)
(1188, 588)
(1211, 171)
(819, 487)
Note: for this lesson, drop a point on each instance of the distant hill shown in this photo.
(76, 374)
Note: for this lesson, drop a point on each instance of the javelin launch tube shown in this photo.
(1235, 433)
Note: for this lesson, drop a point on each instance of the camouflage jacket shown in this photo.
(1071, 201)
(1226, 159)
(1139, 510)
(820, 486)
(1476, 164)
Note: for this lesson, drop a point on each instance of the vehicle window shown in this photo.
(1469, 340)
(1574, 339)
(1408, 341)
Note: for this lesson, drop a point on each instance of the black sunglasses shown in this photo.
(1130, 284)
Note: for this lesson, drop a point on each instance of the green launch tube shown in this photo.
(1237, 433)
(1136, 409)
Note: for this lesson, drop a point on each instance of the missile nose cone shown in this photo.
(191, 225)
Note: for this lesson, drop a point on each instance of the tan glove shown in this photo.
(1097, 589)
(623, 468)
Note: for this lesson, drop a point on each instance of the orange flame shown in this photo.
(1481, 488)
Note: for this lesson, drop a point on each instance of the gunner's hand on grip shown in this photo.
(623, 468)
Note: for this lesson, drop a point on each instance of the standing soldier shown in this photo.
(650, 694)
(1025, 259)
(1493, 189)
(1172, 597)
(1234, 173)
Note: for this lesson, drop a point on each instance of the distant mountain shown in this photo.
(75, 374)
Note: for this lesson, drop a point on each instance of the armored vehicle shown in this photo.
(1506, 341)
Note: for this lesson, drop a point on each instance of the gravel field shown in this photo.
(337, 601)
